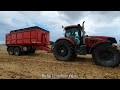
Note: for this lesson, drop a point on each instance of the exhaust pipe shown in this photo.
(83, 31)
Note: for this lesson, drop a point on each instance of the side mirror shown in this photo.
(62, 26)
(78, 24)
(86, 35)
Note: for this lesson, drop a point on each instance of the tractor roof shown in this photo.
(73, 26)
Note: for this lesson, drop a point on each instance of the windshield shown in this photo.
(72, 32)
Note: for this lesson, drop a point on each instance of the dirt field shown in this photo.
(42, 65)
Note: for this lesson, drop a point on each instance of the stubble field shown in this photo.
(43, 65)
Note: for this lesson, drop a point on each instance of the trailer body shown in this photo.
(35, 38)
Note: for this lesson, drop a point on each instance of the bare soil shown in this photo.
(43, 65)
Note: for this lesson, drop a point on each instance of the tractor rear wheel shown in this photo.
(106, 55)
(63, 50)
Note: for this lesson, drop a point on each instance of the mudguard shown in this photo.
(66, 38)
(97, 44)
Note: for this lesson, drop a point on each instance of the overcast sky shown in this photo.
(102, 23)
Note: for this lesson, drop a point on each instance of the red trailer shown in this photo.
(27, 40)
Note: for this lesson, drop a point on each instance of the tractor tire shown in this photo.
(10, 50)
(17, 51)
(106, 55)
(63, 50)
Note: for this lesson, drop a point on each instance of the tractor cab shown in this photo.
(76, 33)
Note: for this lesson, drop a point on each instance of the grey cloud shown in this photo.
(100, 16)
(105, 16)
(72, 16)
(21, 19)
(109, 13)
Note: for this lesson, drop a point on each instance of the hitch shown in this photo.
(116, 45)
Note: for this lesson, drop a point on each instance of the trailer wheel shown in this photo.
(10, 50)
(63, 50)
(32, 51)
(17, 51)
(106, 55)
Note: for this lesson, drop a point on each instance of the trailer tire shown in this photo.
(63, 50)
(17, 51)
(106, 55)
(32, 51)
(10, 50)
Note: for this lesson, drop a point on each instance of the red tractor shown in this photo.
(104, 50)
